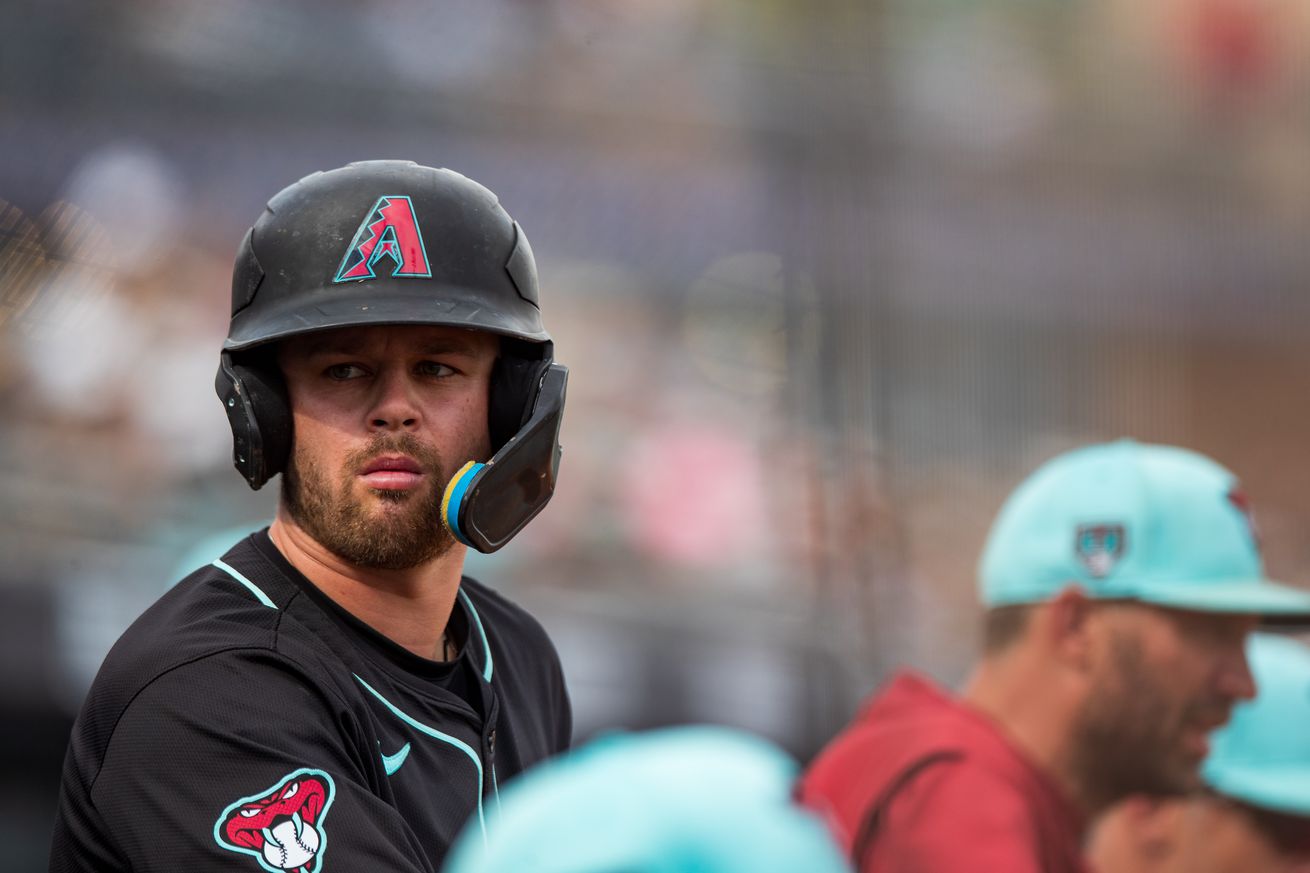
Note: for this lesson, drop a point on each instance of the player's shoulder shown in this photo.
(955, 774)
(220, 692)
(199, 614)
(910, 732)
(221, 631)
(235, 604)
(943, 776)
(956, 813)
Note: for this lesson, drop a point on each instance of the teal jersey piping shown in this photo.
(254, 589)
(437, 735)
(486, 646)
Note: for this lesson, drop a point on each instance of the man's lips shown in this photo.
(1197, 738)
(1214, 718)
(1196, 743)
(392, 473)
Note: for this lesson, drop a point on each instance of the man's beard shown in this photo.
(1129, 739)
(406, 532)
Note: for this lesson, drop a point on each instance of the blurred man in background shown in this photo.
(1120, 582)
(684, 800)
(1254, 814)
(335, 675)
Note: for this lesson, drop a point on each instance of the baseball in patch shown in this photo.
(281, 827)
(1099, 547)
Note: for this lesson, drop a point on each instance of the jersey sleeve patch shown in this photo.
(282, 826)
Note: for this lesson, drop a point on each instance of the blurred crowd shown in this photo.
(841, 271)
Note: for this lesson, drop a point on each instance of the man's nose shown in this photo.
(1236, 679)
(394, 405)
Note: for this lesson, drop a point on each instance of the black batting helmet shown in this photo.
(394, 242)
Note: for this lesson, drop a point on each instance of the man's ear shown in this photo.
(1068, 626)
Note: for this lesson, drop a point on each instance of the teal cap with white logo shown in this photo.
(1128, 520)
(1262, 756)
(680, 800)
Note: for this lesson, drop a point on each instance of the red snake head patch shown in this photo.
(281, 827)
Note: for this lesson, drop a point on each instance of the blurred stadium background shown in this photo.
(831, 276)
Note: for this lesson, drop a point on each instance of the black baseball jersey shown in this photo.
(247, 722)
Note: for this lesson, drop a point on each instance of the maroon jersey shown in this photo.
(923, 782)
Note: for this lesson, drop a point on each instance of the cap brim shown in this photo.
(1273, 602)
(1287, 790)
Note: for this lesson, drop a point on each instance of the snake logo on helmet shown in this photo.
(344, 248)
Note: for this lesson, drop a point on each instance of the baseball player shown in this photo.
(1120, 581)
(332, 694)
(680, 800)
(1254, 816)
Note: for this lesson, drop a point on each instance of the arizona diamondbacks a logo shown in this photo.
(390, 229)
(1099, 547)
(282, 826)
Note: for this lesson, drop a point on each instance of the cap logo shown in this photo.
(1237, 497)
(390, 229)
(1099, 547)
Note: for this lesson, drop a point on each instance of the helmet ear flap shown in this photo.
(259, 413)
(515, 380)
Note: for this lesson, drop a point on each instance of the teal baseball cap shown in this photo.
(1129, 520)
(680, 800)
(1262, 756)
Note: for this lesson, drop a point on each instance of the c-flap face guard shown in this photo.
(485, 505)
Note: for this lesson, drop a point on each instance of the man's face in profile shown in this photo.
(1163, 680)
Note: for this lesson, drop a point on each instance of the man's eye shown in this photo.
(432, 368)
(342, 372)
